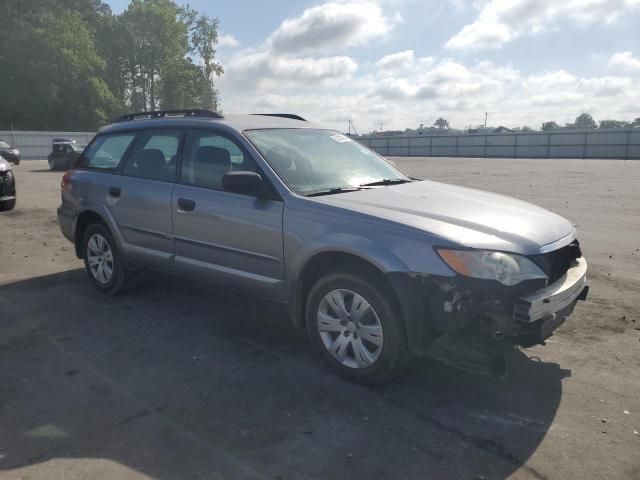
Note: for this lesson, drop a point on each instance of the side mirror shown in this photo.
(247, 183)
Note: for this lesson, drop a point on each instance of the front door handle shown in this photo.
(186, 205)
(114, 191)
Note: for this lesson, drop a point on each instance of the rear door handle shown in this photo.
(114, 191)
(186, 205)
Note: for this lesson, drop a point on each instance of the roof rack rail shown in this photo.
(292, 116)
(191, 112)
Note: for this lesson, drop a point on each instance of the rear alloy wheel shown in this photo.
(103, 260)
(356, 328)
(100, 258)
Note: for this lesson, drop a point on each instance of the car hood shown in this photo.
(463, 216)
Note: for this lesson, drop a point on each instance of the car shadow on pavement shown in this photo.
(176, 380)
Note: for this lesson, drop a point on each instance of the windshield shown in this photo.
(4, 145)
(316, 160)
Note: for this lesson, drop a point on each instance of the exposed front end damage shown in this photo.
(525, 314)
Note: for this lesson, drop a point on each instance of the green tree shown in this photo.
(54, 79)
(636, 122)
(546, 126)
(72, 64)
(614, 124)
(441, 123)
(76, 64)
(158, 42)
(204, 38)
(585, 120)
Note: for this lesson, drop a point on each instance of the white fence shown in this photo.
(612, 143)
(37, 145)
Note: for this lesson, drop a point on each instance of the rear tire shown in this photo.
(104, 262)
(365, 342)
(52, 165)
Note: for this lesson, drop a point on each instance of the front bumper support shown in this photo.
(550, 301)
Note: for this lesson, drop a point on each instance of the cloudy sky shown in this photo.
(400, 63)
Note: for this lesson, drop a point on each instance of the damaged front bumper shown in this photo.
(526, 314)
(548, 308)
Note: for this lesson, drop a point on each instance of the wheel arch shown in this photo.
(87, 217)
(319, 264)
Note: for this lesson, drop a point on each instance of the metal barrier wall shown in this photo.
(37, 145)
(612, 143)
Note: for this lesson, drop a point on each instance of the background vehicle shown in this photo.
(374, 264)
(64, 153)
(9, 152)
(7, 186)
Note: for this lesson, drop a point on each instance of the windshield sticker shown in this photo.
(340, 138)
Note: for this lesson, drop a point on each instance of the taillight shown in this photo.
(65, 180)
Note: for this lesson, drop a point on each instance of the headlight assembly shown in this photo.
(508, 269)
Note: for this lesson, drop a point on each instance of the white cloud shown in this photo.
(396, 61)
(226, 40)
(331, 26)
(319, 79)
(264, 67)
(625, 60)
(481, 35)
(502, 21)
(446, 79)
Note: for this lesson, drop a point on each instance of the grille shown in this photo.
(555, 264)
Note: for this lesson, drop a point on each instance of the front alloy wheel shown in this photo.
(350, 329)
(354, 322)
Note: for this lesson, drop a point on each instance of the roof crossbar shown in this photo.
(292, 116)
(192, 112)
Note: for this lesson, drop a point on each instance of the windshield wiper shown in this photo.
(333, 191)
(386, 181)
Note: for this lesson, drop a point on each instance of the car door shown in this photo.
(141, 197)
(221, 237)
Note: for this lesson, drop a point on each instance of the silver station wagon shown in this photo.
(373, 263)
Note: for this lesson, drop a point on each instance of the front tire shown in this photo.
(103, 261)
(356, 327)
(7, 205)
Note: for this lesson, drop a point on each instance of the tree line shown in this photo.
(75, 65)
(586, 121)
(582, 121)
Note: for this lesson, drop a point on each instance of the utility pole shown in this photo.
(349, 127)
(486, 114)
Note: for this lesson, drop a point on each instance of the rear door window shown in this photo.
(155, 155)
(106, 152)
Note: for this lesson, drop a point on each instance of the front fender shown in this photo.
(366, 249)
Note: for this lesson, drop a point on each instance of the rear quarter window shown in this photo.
(106, 152)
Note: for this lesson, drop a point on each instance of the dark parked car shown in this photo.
(9, 152)
(7, 186)
(63, 153)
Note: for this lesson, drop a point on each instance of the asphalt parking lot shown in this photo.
(178, 381)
